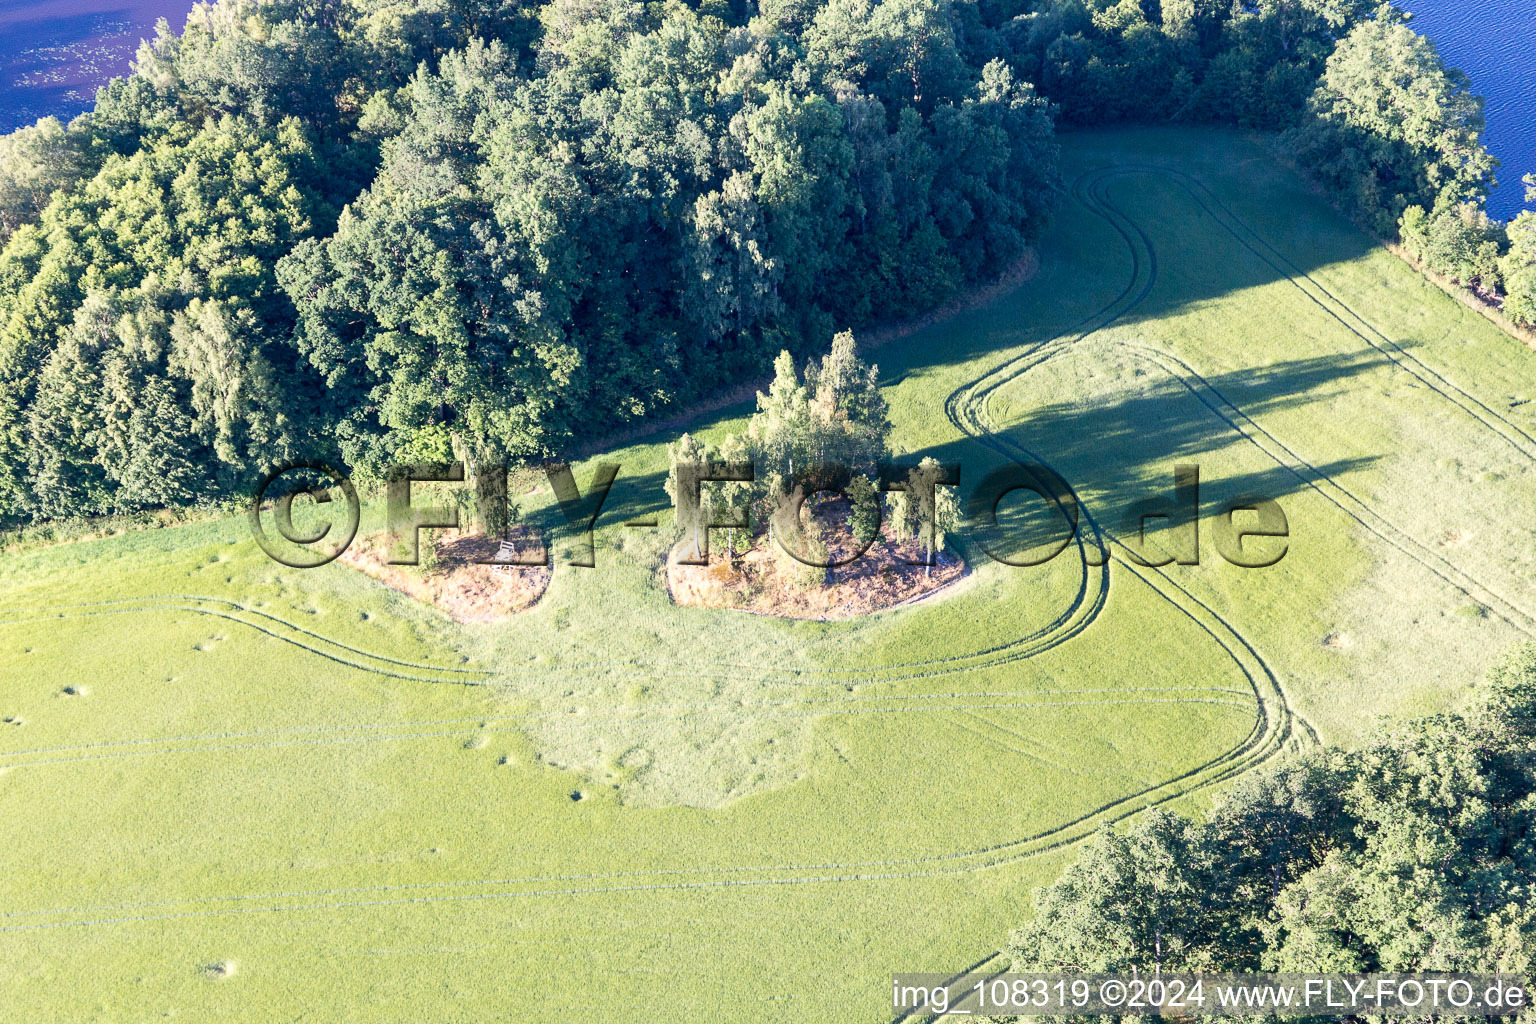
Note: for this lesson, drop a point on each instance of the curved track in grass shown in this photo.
(1093, 193)
(1276, 726)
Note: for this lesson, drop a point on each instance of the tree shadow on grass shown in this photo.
(1141, 243)
(1118, 450)
(1099, 271)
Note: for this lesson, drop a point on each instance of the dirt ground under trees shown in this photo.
(766, 581)
(458, 584)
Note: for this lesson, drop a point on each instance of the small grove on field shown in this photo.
(827, 432)
(490, 231)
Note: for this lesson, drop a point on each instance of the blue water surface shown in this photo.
(1494, 42)
(54, 54)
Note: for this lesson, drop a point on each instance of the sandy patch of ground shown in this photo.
(761, 580)
(466, 590)
(1337, 642)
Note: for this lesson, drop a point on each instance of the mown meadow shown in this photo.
(237, 791)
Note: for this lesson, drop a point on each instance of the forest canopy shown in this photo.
(344, 230)
(361, 230)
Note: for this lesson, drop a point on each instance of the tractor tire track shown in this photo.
(1275, 726)
(967, 407)
(1340, 311)
(1228, 412)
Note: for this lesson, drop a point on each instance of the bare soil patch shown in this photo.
(763, 581)
(458, 584)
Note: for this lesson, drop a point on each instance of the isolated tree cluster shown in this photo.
(826, 431)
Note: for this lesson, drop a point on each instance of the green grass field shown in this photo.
(364, 812)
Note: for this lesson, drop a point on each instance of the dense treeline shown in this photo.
(1414, 853)
(482, 229)
(452, 228)
(1367, 105)
(1253, 64)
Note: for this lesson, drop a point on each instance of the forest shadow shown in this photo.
(1214, 250)
(1117, 280)
(1125, 270)
(1117, 454)
(1127, 256)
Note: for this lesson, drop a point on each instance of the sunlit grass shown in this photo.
(613, 807)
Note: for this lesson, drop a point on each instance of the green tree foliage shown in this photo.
(828, 428)
(274, 59)
(334, 226)
(1458, 240)
(1396, 135)
(805, 572)
(779, 434)
(1413, 854)
(903, 512)
(734, 501)
(1392, 126)
(732, 280)
(946, 510)
(850, 419)
(1518, 265)
(834, 419)
(1133, 899)
(690, 453)
(651, 207)
(423, 308)
(904, 50)
(926, 508)
(148, 342)
(1251, 64)
(36, 162)
(152, 283)
(864, 508)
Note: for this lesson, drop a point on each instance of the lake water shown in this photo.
(1494, 42)
(54, 53)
